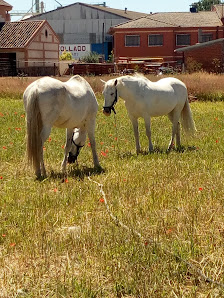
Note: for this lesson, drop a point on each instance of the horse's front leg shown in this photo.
(148, 132)
(136, 134)
(68, 144)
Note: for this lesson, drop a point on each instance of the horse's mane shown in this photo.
(77, 78)
(139, 75)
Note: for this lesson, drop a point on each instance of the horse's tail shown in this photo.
(34, 126)
(187, 119)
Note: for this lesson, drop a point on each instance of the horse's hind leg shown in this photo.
(136, 133)
(178, 135)
(174, 118)
(148, 132)
(91, 134)
(46, 130)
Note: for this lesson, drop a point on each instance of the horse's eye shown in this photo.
(112, 94)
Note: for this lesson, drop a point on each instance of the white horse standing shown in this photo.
(72, 105)
(147, 99)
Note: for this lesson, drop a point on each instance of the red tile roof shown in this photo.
(3, 3)
(175, 19)
(18, 34)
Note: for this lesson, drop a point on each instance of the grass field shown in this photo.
(57, 238)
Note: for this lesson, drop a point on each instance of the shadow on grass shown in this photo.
(78, 172)
(157, 150)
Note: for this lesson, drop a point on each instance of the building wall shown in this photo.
(44, 49)
(169, 42)
(4, 15)
(206, 55)
(79, 24)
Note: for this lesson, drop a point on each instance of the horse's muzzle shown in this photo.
(107, 111)
(72, 158)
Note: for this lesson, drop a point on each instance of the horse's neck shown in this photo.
(123, 90)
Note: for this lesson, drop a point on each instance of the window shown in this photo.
(183, 39)
(155, 40)
(46, 33)
(206, 37)
(132, 40)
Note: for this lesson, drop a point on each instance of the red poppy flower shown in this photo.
(4, 147)
(101, 200)
(169, 231)
(89, 145)
(200, 188)
(12, 244)
(1, 177)
(3, 235)
(103, 153)
(66, 180)
(55, 189)
(1, 115)
(22, 116)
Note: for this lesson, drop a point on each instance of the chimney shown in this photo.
(41, 6)
(37, 5)
(125, 10)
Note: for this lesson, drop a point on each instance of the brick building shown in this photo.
(31, 47)
(208, 56)
(160, 34)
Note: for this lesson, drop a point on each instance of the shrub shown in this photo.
(91, 57)
(193, 65)
(66, 56)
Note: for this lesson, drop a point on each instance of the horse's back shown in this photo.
(153, 98)
(62, 104)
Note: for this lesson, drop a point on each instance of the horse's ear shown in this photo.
(115, 83)
(103, 81)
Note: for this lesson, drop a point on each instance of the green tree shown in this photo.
(206, 4)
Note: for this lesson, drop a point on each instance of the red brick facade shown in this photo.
(169, 42)
(159, 35)
(210, 56)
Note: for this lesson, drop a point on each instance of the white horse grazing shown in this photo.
(72, 105)
(147, 99)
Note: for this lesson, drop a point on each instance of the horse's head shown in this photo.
(78, 141)
(110, 96)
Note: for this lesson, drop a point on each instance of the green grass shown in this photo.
(175, 200)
